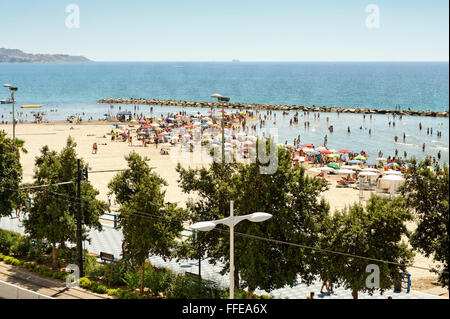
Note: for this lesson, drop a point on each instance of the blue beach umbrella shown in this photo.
(355, 162)
(314, 153)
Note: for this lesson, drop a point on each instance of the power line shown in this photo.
(146, 215)
(46, 185)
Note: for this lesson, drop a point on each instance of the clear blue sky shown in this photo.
(212, 30)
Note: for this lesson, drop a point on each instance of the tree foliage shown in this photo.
(288, 194)
(10, 174)
(426, 195)
(52, 215)
(375, 231)
(149, 225)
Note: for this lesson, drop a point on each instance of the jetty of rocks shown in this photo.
(312, 108)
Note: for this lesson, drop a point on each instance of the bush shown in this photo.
(66, 256)
(21, 247)
(185, 287)
(7, 240)
(115, 272)
(92, 268)
(132, 279)
(157, 280)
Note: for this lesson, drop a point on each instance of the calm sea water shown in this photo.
(74, 88)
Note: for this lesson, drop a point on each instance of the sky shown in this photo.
(212, 30)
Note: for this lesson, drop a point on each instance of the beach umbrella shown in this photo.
(325, 152)
(243, 112)
(355, 162)
(368, 174)
(333, 165)
(333, 155)
(381, 159)
(333, 151)
(349, 166)
(326, 169)
(393, 165)
(360, 157)
(367, 169)
(321, 148)
(344, 172)
(307, 150)
(393, 178)
(308, 145)
(391, 172)
(344, 151)
(314, 153)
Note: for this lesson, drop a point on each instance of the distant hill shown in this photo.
(18, 56)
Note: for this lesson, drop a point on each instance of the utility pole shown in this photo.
(82, 175)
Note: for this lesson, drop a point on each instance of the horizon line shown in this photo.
(278, 61)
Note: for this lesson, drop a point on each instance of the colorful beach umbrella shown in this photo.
(344, 151)
(334, 165)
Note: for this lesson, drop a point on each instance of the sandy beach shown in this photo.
(110, 156)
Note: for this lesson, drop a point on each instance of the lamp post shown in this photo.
(12, 89)
(231, 222)
(221, 98)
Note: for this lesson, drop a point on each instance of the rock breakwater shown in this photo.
(312, 108)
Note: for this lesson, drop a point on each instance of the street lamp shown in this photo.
(221, 98)
(12, 89)
(231, 222)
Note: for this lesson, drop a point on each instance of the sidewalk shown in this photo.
(43, 285)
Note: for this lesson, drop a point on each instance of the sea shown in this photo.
(74, 88)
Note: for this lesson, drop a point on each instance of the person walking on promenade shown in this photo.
(94, 148)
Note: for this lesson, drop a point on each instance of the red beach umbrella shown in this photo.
(307, 145)
(326, 152)
(344, 151)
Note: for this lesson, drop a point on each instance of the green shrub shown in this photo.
(185, 287)
(21, 247)
(132, 279)
(157, 280)
(7, 240)
(115, 272)
(92, 268)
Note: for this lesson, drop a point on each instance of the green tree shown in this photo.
(426, 195)
(149, 225)
(288, 194)
(374, 231)
(11, 196)
(52, 215)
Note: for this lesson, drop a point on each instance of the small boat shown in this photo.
(30, 106)
(7, 101)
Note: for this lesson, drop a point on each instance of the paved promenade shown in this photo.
(110, 240)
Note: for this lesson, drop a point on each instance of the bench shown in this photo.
(106, 257)
(406, 280)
